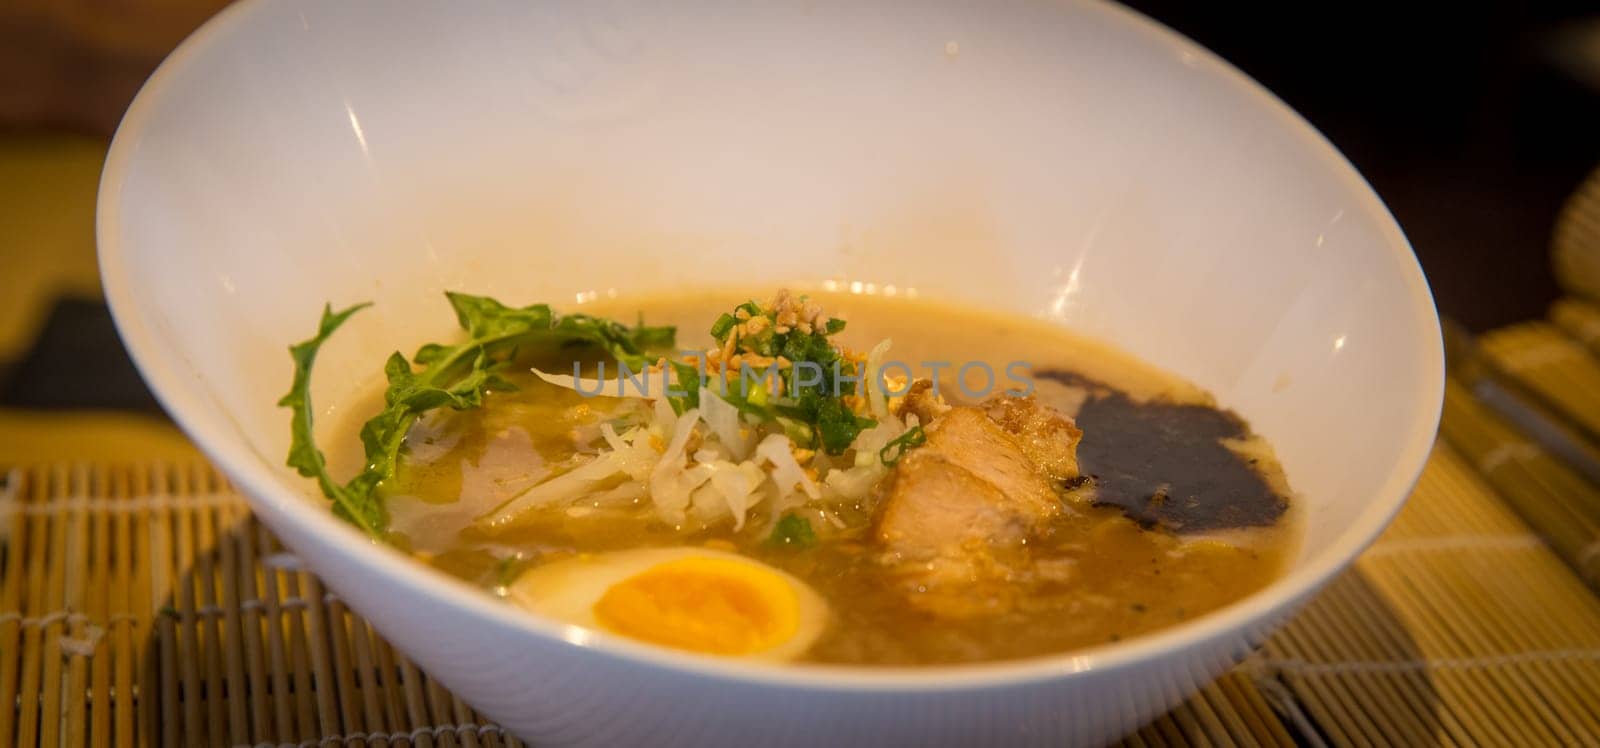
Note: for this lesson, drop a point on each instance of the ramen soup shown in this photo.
(833, 478)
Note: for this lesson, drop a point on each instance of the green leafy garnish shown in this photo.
(720, 328)
(833, 425)
(812, 409)
(793, 532)
(303, 453)
(898, 447)
(456, 376)
(688, 382)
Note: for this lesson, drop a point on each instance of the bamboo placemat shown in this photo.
(145, 606)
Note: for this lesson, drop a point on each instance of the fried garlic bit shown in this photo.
(790, 312)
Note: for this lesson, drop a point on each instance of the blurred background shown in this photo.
(1474, 123)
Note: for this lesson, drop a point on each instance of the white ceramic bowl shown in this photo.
(1072, 161)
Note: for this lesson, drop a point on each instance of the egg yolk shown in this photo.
(710, 605)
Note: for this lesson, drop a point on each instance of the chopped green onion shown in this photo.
(898, 447)
(720, 328)
(793, 532)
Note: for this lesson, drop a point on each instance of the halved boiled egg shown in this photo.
(694, 599)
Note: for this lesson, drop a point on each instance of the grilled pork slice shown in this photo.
(959, 509)
(1048, 438)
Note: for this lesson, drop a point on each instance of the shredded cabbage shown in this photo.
(562, 489)
(567, 381)
(738, 484)
(670, 482)
(723, 420)
(727, 473)
(623, 494)
(786, 471)
(632, 451)
(666, 420)
(877, 402)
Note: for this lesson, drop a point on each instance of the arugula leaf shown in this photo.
(303, 453)
(913, 437)
(455, 376)
(488, 322)
(793, 532)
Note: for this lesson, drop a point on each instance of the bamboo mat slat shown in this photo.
(1580, 320)
(146, 606)
(1540, 357)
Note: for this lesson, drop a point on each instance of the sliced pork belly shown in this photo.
(959, 509)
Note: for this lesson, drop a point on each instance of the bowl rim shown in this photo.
(270, 497)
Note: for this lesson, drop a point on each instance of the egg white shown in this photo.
(568, 590)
